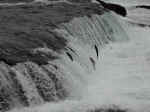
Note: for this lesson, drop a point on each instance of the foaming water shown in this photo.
(121, 78)
(121, 73)
(66, 77)
(99, 68)
(87, 37)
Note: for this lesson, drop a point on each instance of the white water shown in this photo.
(123, 75)
(121, 78)
(122, 70)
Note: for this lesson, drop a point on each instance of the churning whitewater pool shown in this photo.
(121, 78)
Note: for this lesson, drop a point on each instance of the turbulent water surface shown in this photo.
(72, 58)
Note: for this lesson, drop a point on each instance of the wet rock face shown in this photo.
(114, 7)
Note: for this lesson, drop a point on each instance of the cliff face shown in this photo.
(45, 49)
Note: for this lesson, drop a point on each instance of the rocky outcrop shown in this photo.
(114, 7)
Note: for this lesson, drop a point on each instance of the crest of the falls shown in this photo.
(86, 37)
(66, 76)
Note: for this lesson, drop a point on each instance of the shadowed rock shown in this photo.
(143, 6)
(114, 7)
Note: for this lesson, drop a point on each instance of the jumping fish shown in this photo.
(93, 62)
(96, 49)
(69, 55)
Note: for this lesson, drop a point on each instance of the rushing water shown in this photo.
(28, 84)
(105, 63)
(120, 77)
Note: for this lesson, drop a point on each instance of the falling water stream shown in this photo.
(105, 63)
(120, 77)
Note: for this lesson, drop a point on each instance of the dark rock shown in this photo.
(143, 6)
(114, 7)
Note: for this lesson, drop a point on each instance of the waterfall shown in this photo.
(29, 84)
